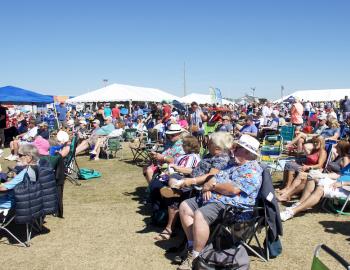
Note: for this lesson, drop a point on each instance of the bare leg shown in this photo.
(300, 144)
(200, 231)
(187, 218)
(149, 174)
(82, 147)
(311, 201)
(288, 177)
(296, 187)
(15, 147)
(309, 188)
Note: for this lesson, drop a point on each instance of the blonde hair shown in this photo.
(333, 123)
(222, 140)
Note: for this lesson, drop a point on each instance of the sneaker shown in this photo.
(287, 214)
(187, 263)
(93, 152)
(293, 205)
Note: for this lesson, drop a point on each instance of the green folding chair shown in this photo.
(317, 263)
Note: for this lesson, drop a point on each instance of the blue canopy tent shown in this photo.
(16, 95)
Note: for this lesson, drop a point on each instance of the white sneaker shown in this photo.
(1, 152)
(287, 214)
(293, 205)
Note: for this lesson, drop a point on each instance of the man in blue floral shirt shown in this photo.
(237, 186)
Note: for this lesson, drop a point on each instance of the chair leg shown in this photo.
(253, 251)
(344, 205)
(10, 233)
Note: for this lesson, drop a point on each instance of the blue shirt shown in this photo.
(249, 128)
(7, 197)
(107, 111)
(105, 130)
(62, 113)
(247, 178)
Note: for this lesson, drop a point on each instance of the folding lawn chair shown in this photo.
(130, 134)
(141, 150)
(71, 164)
(112, 146)
(317, 264)
(287, 133)
(271, 152)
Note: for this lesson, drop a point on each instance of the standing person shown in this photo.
(100, 115)
(297, 111)
(196, 118)
(116, 113)
(62, 114)
(107, 110)
(266, 112)
(166, 112)
(345, 105)
(2, 125)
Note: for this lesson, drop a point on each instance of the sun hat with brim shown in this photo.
(62, 137)
(249, 143)
(174, 129)
(322, 117)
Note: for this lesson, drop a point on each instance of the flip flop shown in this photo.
(164, 235)
(168, 192)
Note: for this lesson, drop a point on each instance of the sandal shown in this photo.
(164, 235)
(168, 192)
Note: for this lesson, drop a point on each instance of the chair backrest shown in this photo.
(287, 132)
(329, 148)
(317, 264)
(72, 150)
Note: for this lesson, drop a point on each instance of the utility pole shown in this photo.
(185, 79)
(282, 89)
(105, 82)
(253, 89)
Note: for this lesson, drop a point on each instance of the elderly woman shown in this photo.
(28, 157)
(295, 175)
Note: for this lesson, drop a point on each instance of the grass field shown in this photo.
(106, 227)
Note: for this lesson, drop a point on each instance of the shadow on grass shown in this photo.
(19, 231)
(337, 227)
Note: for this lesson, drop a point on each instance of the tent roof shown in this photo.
(201, 99)
(318, 95)
(15, 95)
(121, 92)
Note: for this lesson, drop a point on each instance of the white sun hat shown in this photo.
(249, 143)
(174, 129)
(62, 137)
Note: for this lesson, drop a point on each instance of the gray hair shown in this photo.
(30, 150)
(223, 140)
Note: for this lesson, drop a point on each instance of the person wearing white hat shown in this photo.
(237, 186)
(102, 134)
(175, 150)
(89, 142)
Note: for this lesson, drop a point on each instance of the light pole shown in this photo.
(105, 82)
(253, 89)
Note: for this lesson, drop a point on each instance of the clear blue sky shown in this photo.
(69, 47)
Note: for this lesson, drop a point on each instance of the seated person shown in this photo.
(173, 151)
(82, 130)
(183, 122)
(102, 134)
(226, 124)
(22, 139)
(237, 186)
(295, 174)
(91, 141)
(249, 128)
(342, 157)
(43, 130)
(28, 157)
(328, 186)
(301, 138)
(188, 161)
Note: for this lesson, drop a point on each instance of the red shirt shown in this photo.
(166, 112)
(115, 113)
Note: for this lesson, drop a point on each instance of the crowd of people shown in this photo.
(197, 174)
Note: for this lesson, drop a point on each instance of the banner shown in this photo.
(215, 95)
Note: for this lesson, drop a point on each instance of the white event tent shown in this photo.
(318, 95)
(201, 99)
(121, 92)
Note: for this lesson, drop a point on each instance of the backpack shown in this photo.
(87, 174)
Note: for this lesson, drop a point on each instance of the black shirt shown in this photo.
(2, 113)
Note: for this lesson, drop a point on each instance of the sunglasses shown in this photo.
(21, 155)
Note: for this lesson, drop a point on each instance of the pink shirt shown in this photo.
(297, 114)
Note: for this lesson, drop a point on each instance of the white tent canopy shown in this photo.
(121, 92)
(318, 95)
(201, 99)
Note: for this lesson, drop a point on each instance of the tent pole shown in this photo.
(55, 111)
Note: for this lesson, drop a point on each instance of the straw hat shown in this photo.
(174, 129)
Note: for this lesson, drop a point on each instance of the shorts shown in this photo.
(210, 211)
(330, 192)
(292, 166)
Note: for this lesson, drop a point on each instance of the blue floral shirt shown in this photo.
(247, 178)
(204, 166)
